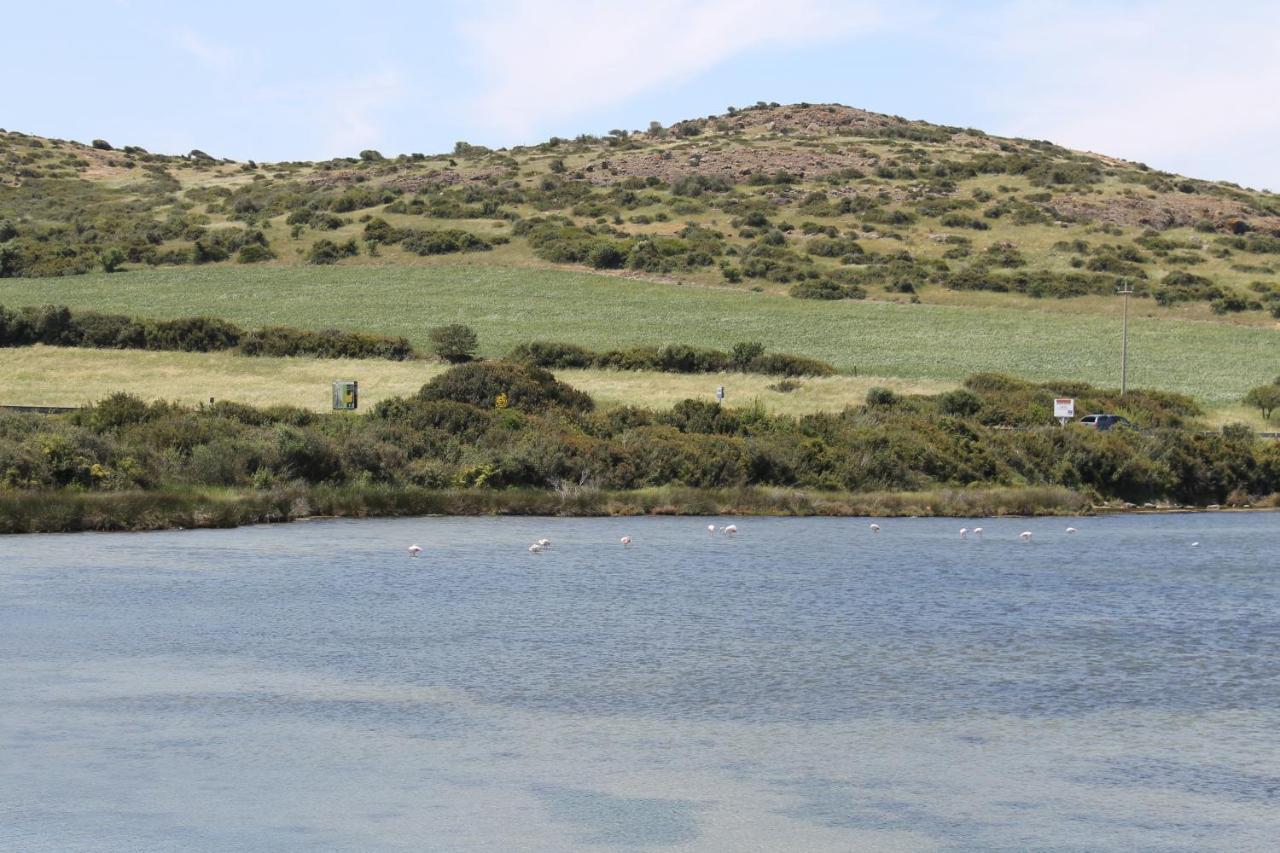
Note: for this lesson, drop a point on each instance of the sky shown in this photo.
(1189, 87)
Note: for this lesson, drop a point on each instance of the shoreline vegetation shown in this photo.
(503, 438)
(66, 511)
(183, 509)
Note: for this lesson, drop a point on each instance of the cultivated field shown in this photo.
(1214, 362)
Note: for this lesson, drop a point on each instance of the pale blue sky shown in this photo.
(1174, 84)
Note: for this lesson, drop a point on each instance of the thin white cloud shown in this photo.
(213, 56)
(1185, 86)
(548, 60)
(350, 120)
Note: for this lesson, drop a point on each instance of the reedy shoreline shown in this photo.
(67, 511)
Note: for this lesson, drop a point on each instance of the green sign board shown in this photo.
(345, 395)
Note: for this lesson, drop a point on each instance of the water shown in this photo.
(807, 685)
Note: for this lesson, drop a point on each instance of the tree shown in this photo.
(112, 259)
(454, 343)
(744, 353)
(1265, 398)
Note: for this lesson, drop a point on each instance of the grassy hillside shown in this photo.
(1213, 362)
(817, 200)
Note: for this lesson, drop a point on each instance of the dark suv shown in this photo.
(1103, 422)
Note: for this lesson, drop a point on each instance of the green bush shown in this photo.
(254, 254)
(673, 358)
(1265, 398)
(442, 242)
(455, 343)
(550, 354)
(112, 258)
(524, 388)
(192, 334)
(825, 288)
(329, 252)
(329, 343)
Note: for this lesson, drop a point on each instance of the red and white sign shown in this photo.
(1064, 407)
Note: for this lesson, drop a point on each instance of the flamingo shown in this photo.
(1072, 530)
(1025, 536)
(731, 529)
(977, 531)
(875, 528)
(625, 540)
(414, 550)
(711, 528)
(964, 533)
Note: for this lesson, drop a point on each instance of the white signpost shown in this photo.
(1064, 409)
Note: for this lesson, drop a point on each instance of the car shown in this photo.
(1105, 422)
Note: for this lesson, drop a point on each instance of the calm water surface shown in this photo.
(808, 685)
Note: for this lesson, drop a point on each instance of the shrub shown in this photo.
(102, 145)
(329, 252)
(378, 230)
(192, 334)
(784, 364)
(960, 403)
(603, 255)
(109, 331)
(455, 343)
(552, 355)
(529, 389)
(744, 353)
(442, 242)
(1264, 398)
(112, 258)
(329, 343)
(254, 254)
(825, 288)
(881, 397)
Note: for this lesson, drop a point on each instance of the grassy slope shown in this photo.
(1214, 362)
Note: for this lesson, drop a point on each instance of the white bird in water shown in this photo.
(875, 528)
(1025, 536)
(964, 533)
(1072, 530)
(625, 540)
(545, 543)
(977, 531)
(711, 528)
(535, 548)
(731, 529)
(414, 550)
(1195, 544)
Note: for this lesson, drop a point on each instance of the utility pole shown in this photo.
(1126, 290)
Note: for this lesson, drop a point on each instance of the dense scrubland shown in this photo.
(484, 435)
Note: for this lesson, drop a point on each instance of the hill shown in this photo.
(819, 201)
(896, 248)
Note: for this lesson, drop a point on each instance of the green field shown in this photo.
(1214, 362)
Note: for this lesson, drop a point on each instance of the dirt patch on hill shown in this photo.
(733, 164)
(1161, 212)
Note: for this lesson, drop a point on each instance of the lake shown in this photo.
(808, 684)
